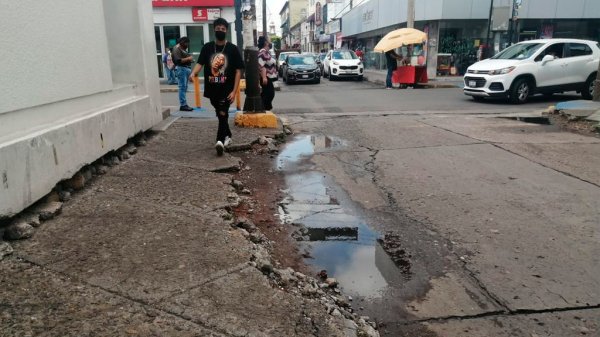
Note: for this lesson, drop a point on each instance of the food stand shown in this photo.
(415, 72)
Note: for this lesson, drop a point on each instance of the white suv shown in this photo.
(536, 66)
(342, 63)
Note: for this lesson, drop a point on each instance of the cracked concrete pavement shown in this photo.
(147, 250)
(504, 215)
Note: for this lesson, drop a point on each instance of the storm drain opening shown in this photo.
(542, 120)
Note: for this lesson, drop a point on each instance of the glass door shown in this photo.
(196, 36)
(159, 51)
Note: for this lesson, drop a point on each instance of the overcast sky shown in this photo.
(273, 8)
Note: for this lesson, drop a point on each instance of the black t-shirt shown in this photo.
(390, 59)
(220, 64)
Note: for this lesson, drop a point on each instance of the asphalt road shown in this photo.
(497, 219)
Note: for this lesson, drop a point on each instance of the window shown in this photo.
(518, 51)
(556, 50)
(579, 49)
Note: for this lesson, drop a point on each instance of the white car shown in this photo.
(281, 60)
(342, 63)
(535, 67)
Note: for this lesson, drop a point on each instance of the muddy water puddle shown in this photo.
(336, 236)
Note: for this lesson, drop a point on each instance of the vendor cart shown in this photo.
(410, 75)
(405, 75)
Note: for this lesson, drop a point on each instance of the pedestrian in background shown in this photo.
(183, 67)
(391, 58)
(268, 72)
(169, 66)
(223, 66)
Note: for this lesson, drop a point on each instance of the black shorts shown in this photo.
(220, 104)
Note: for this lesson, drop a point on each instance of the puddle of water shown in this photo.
(340, 241)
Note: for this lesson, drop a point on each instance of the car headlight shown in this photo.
(501, 71)
(359, 63)
(335, 63)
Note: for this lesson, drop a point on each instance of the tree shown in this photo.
(276, 40)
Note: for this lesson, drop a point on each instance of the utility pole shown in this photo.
(253, 102)
(597, 87)
(489, 50)
(238, 26)
(264, 15)
(410, 14)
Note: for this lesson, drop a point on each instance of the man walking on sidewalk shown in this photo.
(183, 64)
(223, 66)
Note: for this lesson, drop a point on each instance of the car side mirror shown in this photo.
(547, 59)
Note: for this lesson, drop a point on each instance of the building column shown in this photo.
(432, 48)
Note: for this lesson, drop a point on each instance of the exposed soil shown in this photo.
(266, 184)
(581, 127)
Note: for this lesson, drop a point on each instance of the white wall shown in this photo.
(564, 9)
(183, 15)
(79, 79)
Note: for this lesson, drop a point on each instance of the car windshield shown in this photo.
(322, 56)
(519, 51)
(282, 56)
(344, 55)
(301, 60)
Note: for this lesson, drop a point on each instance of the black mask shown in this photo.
(220, 35)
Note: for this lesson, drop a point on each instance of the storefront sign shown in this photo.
(205, 14)
(318, 15)
(333, 27)
(191, 3)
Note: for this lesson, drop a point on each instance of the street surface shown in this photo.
(438, 217)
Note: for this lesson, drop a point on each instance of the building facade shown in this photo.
(292, 15)
(192, 18)
(458, 29)
(74, 99)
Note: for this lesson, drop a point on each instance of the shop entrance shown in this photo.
(166, 36)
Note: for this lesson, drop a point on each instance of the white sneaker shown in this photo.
(228, 141)
(220, 148)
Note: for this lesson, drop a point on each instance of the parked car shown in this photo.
(281, 60)
(342, 63)
(301, 68)
(318, 60)
(322, 59)
(535, 67)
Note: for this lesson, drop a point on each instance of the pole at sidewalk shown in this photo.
(489, 50)
(253, 102)
(410, 14)
(238, 100)
(197, 92)
(264, 14)
(238, 26)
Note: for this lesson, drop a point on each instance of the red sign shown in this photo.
(205, 14)
(192, 3)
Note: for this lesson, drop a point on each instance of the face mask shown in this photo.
(220, 35)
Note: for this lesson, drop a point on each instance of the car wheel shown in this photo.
(478, 98)
(520, 91)
(331, 77)
(588, 89)
(325, 74)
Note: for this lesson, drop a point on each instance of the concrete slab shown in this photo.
(167, 184)
(578, 105)
(234, 304)
(134, 248)
(579, 160)
(394, 132)
(501, 130)
(595, 117)
(559, 324)
(37, 302)
(184, 153)
(520, 227)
